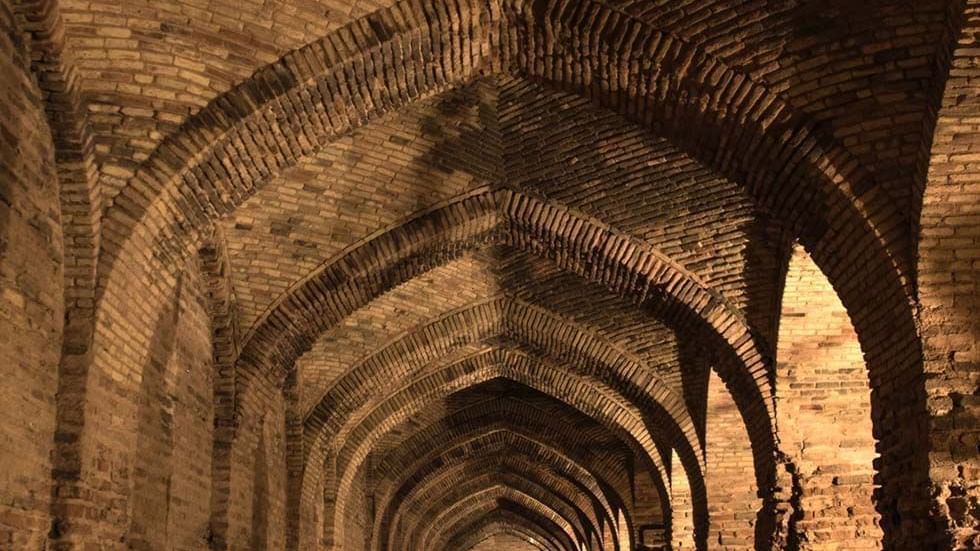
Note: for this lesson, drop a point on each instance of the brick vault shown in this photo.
(518, 275)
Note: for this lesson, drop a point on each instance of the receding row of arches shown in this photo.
(540, 275)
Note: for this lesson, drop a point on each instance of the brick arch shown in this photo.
(765, 144)
(577, 243)
(351, 428)
(469, 507)
(502, 316)
(848, 226)
(853, 218)
(498, 444)
(501, 519)
(532, 425)
(495, 529)
(536, 373)
(497, 447)
(439, 235)
(811, 184)
(708, 108)
(410, 249)
(616, 59)
(290, 109)
(285, 77)
(485, 374)
(599, 372)
(482, 476)
(290, 327)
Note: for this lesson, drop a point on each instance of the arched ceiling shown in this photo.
(147, 66)
(500, 310)
(495, 281)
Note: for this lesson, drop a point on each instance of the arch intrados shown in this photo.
(475, 377)
(505, 518)
(630, 443)
(661, 56)
(467, 506)
(894, 283)
(741, 343)
(589, 468)
(495, 454)
(507, 508)
(773, 119)
(485, 371)
(628, 267)
(561, 504)
(515, 321)
(486, 464)
(550, 380)
(474, 539)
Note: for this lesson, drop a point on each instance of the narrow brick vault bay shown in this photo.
(489, 275)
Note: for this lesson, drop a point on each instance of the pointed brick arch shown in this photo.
(585, 352)
(763, 118)
(468, 425)
(610, 483)
(516, 366)
(344, 284)
(627, 266)
(318, 92)
(501, 519)
(493, 531)
(484, 476)
(767, 144)
(500, 444)
(470, 506)
(185, 188)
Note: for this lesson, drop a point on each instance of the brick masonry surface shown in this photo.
(514, 275)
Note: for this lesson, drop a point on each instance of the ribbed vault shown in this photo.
(426, 275)
(500, 422)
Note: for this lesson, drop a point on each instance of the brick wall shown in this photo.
(682, 533)
(31, 296)
(171, 458)
(358, 515)
(257, 504)
(824, 413)
(732, 501)
(648, 514)
(949, 292)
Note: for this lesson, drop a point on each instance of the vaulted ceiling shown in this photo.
(494, 267)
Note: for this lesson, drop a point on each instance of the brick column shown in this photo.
(824, 414)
